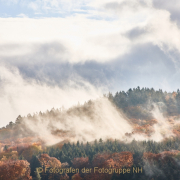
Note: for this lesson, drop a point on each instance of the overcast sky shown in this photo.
(59, 52)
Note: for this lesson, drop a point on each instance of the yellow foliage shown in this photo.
(29, 152)
(4, 158)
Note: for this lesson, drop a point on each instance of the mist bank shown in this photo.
(21, 96)
(125, 116)
(100, 119)
(93, 120)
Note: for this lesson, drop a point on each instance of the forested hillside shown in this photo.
(135, 102)
(139, 128)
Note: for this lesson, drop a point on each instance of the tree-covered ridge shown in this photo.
(135, 102)
(140, 96)
(20, 143)
(166, 160)
(149, 155)
(164, 156)
(70, 151)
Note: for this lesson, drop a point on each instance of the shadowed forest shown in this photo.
(137, 129)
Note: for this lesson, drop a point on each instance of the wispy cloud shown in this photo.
(24, 96)
(118, 44)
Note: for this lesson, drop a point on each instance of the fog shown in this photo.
(94, 120)
(163, 129)
(101, 120)
(21, 96)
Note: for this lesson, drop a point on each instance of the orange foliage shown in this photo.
(143, 129)
(47, 161)
(122, 159)
(100, 160)
(164, 156)
(9, 155)
(29, 152)
(176, 132)
(115, 160)
(174, 95)
(77, 177)
(14, 170)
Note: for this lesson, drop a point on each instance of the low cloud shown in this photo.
(99, 120)
(19, 96)
(94, 120)
(146, 65)
(117, 44)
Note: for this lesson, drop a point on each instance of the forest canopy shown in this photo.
(21, 144)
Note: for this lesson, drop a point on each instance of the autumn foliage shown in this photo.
(14, 170)
(164, 156)
(47, 161)
(115, 160)
(77, 177)
(80, 162)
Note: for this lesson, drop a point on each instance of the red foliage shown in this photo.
(14, 170)
(164, 156)
(122, 159)
(100, 160)
(176, 132)
(149, 156)
(77, 177)
(80, 162)
(115, 160)
(48, 161)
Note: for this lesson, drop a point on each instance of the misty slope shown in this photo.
(142, 121)
(137, 114)
(93, 120)
(137, 103)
